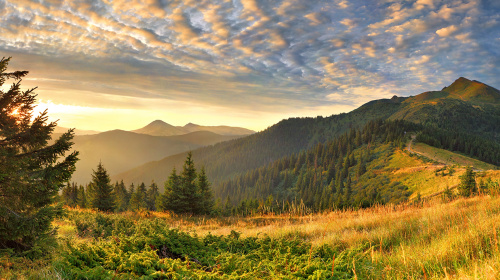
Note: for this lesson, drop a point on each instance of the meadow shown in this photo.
(435, 239)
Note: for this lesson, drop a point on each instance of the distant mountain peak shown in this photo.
(191, 125)
(472, 90)
(161, 128)
(462, 80)
(158, 121)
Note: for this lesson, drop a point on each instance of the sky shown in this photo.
(120, 64)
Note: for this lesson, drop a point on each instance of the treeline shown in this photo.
(324, 177)
(461, 127)
(457, 140)
(187, 192)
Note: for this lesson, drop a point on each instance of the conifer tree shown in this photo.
(120, 196)
(189, 190)
(151, 195)
(31, 171)
(102, 191)
(138, 199)
(206, 202)
(169, 199)
(467, 186)
(70, 194)
(81, 197)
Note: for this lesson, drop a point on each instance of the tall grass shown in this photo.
(432, 240)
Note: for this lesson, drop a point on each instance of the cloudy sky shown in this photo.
(105, 64)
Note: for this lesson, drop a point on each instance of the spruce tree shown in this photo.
(138, 199)
(31, 171)
(120, 196)
(189, 190)
(168, 201)
(151, 196)
(70, 194)
(102, 191)
(81, 197)
(467, 186)
(206, 202)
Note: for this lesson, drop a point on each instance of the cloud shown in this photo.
(447, 31)
(270, 57)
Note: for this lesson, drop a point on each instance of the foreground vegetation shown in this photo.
(431, 240)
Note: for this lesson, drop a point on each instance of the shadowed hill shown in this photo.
(120, 150)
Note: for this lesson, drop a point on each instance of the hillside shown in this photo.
(120, 150)
(450, 123)
(161, 128)
(284, 138)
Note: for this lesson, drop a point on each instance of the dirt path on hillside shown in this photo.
(408, 147)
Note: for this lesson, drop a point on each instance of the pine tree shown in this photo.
(467, 186)
(81, 197)
(138, 199)
(189, 189)
(30, 173)
(120, 195)
(206, 202)
(102, 191)
(70, 194)
(151, 196)
(169, 199)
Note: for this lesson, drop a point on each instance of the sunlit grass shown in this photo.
(434, 240)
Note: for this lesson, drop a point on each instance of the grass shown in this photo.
(454, 240)
(450, 158)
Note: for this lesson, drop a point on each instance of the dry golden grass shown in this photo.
(433, 240)
(457, 240)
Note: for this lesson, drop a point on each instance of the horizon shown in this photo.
(99, 66)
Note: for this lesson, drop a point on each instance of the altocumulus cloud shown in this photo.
(290, 56)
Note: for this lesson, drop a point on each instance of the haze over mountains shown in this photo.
(120, 150)
(161, 128)
(466, 107)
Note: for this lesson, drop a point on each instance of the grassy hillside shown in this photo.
(474, 91)
(433, 240)
(450, 158)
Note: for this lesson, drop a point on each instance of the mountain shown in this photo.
(120, 150)
(161, 128)
(60, 130)
(459, 118)
(473, 91)
(222, 130)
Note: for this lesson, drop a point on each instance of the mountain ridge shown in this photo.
(296, 134)
(161, 128)
(120, 150)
